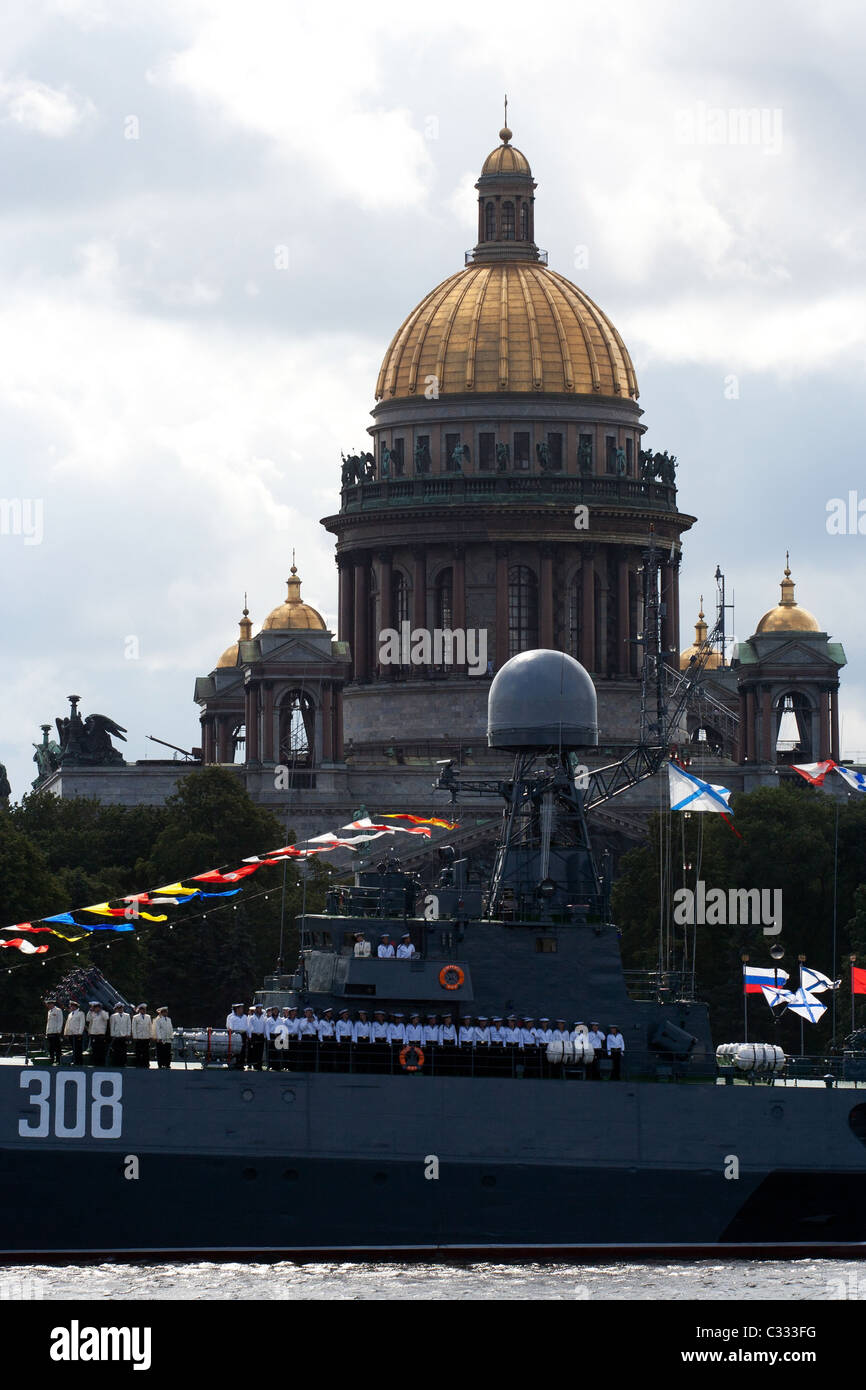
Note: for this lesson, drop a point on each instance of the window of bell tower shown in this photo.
(508, 221)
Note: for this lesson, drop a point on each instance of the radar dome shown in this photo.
(542, 699)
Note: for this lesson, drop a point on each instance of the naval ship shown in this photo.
(417, 1159)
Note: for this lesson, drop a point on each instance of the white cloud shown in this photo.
(35, 106)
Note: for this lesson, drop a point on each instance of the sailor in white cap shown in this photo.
(396, 1035)
(481, 1041)
(447, 1052)
(163, 1032)
(237, 1027)
(361, 1030)
(386, 947)
(308, 1037)
(54, 1031)
(379, 1041)
(615, 1043)
(415, 1030)
(73, 1029)
(142, 1032)
(256, 1037)
(120, 1028)
(362, 947)
(405, 951)
(97, 1027)
(598, 1041)
(465, 1044)
(327, 1046)
(497, 1046)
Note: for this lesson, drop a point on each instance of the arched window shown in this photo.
(400, 596)
(524, 221)
(793, 728)
(575, 600)
(522, 610)
(508, 221)
(297, 741)
(239, 741)
(489, 222)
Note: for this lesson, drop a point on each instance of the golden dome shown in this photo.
(293, 614)
(505, 159)
(230, 655)
(511, 326)
(714, 660)
(788, 616)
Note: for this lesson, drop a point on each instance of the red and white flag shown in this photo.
(814, 772)
(26, 947)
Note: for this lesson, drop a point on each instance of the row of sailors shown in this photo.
(116, 1030)
(523, 1034)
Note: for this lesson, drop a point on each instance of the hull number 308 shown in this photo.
(72, 1105)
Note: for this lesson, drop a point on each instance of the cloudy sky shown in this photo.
(214, 217)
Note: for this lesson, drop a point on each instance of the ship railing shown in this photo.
(659, 986)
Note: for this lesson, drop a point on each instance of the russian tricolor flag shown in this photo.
(755, 979)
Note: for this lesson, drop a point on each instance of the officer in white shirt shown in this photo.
(276, 1038)
(529, 1043)
(406, 951)
(54, 1032)
(430, 1036)
(163, 1032)
(327, 1046)
(73, 1029)
(120, 1028)
(97, 1027)
(415, 1030)
(379, 1042)
(482, 1046)
(343, 1037)
(308, 1038)
(466, 1044)
(497, 1047)
(362, 1055)
(142, 1034)
(237, 1026)
(256, 1037)
(513, 1042)
(386, 948)
(598, 1042)
(362, 946)
(615, 1049)
(543, 1035)
(447, 1051)
(396, 1034)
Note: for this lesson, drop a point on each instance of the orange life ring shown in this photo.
(451, 977)
(411, 1057)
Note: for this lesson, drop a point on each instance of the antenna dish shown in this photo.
(542, 699)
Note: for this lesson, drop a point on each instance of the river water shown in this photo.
(651, 1280)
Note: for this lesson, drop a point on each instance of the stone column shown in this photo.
(338, 726)
(346, 600)
(251, 719)
(750, 724)
(386, 612)
(623, 631)
(419, 588)
(667, 598)
(675, 590)
(834, 715)
(223, 738)
(458, 596)
(327, 726)
(739, 750)
(360, 644)
(823, 722)
(207, 739)
(766, 725)
(501, 639)
(545, 597)
(267, 721)
(587, 615)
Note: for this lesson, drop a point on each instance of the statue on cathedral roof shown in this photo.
(87, 742)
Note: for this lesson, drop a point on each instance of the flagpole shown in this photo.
(835, 899)
(745, 959)
(802, 960)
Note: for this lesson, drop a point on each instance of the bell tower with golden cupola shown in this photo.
(506, 205)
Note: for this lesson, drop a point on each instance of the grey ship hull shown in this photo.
(308, 1165)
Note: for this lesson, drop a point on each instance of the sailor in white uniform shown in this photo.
(54, 1032)
(73, 1029)
(598, 1042)
(447, 1052)
(362, 946)
(142, 1035)
(120, 1028)
(379, 1042)
(308, 1036)
(256, 1037)
(615, 1048)
(466, 1044)
(97, 1027)
(361, 1029)
(406, 951)
(386, 948)
(327, 1046)
(415, 1030)
(237, 1025)
(163, 1032)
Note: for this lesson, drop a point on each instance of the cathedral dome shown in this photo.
(230, 655)
(505, 159)
(514, 326)
(714, 659)
(506, 323)
(788, 616)
(293, 614)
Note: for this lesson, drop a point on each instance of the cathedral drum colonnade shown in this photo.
(504, 491)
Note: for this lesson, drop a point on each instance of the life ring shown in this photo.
(411, 1057)
(451, 977)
